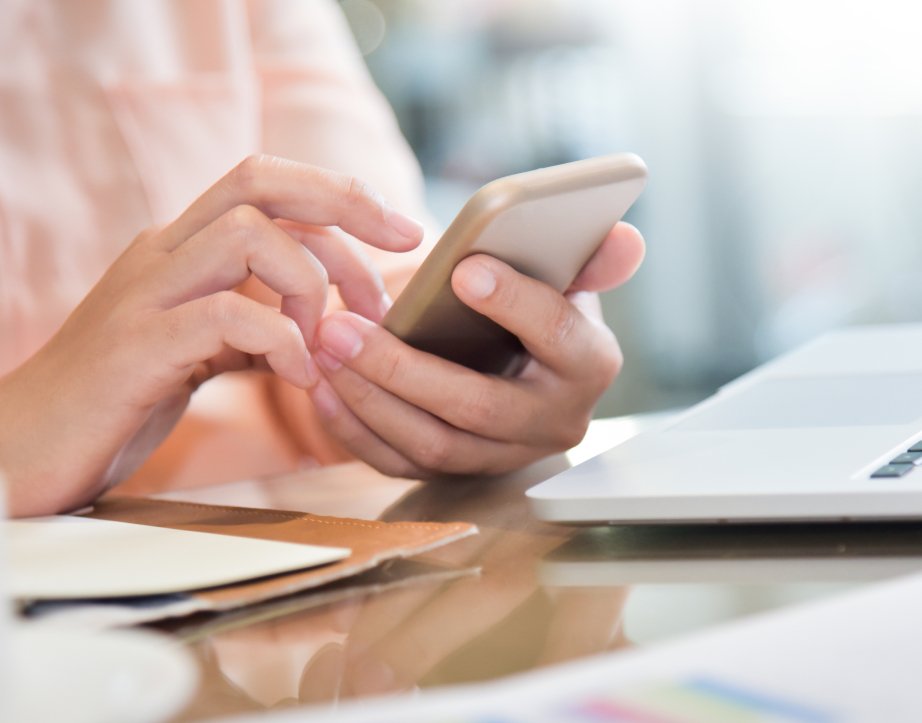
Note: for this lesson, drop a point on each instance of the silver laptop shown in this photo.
(829, 432)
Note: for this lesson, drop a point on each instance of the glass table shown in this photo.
(520, 595)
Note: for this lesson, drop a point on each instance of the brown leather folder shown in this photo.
(372, 542)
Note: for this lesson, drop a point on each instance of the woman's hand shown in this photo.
(100, 396)
(412, 414)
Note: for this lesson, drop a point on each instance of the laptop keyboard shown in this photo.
(902, 463)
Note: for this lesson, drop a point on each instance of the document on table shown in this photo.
(850, 658)
(66, 558)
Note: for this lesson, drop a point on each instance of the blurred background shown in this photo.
(784, 142)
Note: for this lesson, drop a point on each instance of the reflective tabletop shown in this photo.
(520, 595)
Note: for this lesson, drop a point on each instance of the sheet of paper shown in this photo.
(851, 658)
(74, 558)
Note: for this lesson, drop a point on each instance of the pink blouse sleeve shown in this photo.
(320, 104)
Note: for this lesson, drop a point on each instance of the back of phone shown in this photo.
(545, 223)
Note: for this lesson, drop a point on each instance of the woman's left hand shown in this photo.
(411, 414)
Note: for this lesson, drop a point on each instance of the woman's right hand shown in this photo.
(99, 397)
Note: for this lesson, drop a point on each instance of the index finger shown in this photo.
(299, 192)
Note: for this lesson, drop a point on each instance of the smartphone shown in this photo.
(545, 223)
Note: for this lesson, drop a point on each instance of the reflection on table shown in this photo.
(520, 595)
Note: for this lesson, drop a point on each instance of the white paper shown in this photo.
(76, 558)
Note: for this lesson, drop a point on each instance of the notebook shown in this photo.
(226, 569)
(828, 432)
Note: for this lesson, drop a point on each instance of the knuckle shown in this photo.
(479, 409)
(360, 193)
(222, 308)
(390, 368)
(433, 452)
(247, 173)
(242, 225)
(506, 295)
(572, 434)
(146, 236)
(356, 189)
(363, 392)
(244, 217)
(173, 328)
(290, 331)
(569, 430)
(559, 326)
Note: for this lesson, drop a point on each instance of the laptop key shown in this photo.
(908, 458)
(893, 470)
(917, 447)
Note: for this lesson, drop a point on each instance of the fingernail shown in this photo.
(341, 339)
(325, 401)
(404, 225)
(477, 280)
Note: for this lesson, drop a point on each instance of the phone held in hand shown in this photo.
(545, 223)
